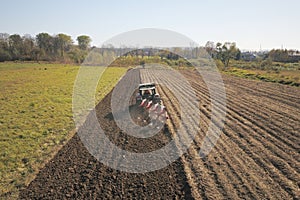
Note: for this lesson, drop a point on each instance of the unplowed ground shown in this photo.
(256, 157)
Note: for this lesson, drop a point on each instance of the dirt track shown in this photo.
(257, 155)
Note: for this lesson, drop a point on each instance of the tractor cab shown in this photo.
(146, 91)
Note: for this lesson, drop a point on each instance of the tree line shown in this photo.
(61, 48)
(43, 47)
(284, 55)
(228, 50)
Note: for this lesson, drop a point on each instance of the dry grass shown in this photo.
(36, 117)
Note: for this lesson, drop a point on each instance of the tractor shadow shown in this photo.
(139, 115)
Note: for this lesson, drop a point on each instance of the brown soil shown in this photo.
(256, 157)
(74, 173)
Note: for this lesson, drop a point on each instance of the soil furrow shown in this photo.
(256, 156)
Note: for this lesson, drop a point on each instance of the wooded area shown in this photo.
(61, 48)
(43, 47)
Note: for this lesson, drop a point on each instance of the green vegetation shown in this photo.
(283, 73)
(226, 52)
(36, 117)
(43, 47)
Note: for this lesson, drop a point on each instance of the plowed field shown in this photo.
(256, 157)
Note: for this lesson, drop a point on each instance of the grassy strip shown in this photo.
(287, 77)
(36, 117)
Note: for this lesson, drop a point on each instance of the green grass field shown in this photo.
(286, 77)
(282, 73)
(36, 117)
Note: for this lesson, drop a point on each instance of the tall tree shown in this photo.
(4, 44)
(15, 46)
(28, 47)
(226, 52)
(84, 42)
(210, 47)
(4, 47)
(64, 43)
(46, 43)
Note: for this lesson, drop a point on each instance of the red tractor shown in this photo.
(147, 91)
(148, 98)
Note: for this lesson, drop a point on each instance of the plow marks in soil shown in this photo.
(256, 157)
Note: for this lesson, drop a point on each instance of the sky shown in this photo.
(253, 25)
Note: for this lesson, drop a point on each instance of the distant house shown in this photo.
(248, 56)
(294, 53)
